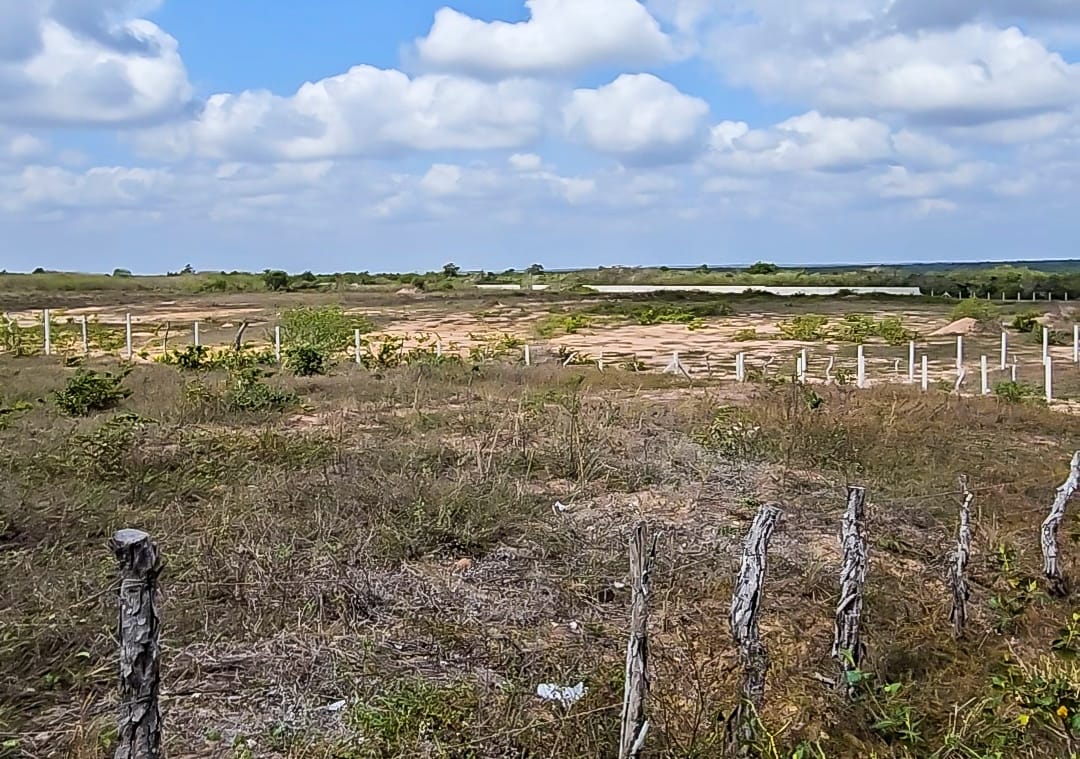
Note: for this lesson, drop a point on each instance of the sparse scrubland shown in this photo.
(383, 538)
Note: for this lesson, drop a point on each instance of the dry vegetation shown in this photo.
(386, 538)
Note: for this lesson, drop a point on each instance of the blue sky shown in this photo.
(343, 135)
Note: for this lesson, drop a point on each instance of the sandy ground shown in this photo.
(710, 349)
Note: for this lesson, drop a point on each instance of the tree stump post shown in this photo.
(139, 725)
(634, 725)
(1052, 571)
(848, 647)
(958, 563)
(742, 727)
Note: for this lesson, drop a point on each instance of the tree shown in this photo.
(276, 280)
(188, 269)
(763, 267)
(451, 270)
(535, 270)
(121, 272)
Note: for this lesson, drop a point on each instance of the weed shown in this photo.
(1016, 392)
(327, 329)
(89, 391)
(305, 360)
(806, 327)
(250, 394)
(745, 335)
(416, 718)
(1027, 321)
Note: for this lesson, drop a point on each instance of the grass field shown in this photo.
(386, 536)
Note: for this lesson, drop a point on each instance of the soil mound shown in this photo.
(963, 326)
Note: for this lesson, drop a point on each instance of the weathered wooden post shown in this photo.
(1048, 378)
(139, 726)
(829, 370)
(356, 345)
(46, 320)
(85, 337)
(958, 562)
(1051, 569)
(127, 337)
(676, 366)
(848, 647)
(238, 341)
(635, 726)
(742, 726)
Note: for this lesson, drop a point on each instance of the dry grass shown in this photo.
(392, 544)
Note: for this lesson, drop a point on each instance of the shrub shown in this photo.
(972, 308)
(745, 335)
(250, 393)
(192, 358)
(276, 280)
(305, 360)
(90, 391)
(763, 267)
(327, 329)
(1027, 321)
(1016, 392)
(807, 327)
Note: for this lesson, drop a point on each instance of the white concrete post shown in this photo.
(985, 375)
(911, 363)
(802, 365)
(127, 335)
(356, 345)
(1004, 349)
(1076, 343)
(860, 380)
(740, 367)
(48, 331)
(1046, 343)
(438, 348)
(196, 333)
(277, 343)
(959, 352)
(528, 356)
(85, 337)
(1013, 375)
(1048, 378)
(925, 374)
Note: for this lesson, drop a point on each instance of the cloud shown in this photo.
(638, 118)
(560, 36)
(364, 112)
(810, 142)
(922, 14)
(82, 63)
(975, 74)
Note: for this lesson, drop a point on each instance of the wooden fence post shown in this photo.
(848, 647)
(634, 726)
(85, 337)
(742, 727)
(1051, 569)
(958, 562)
(139, 726)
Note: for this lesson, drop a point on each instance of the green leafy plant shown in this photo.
(806, 327)
(1016, 392)
(89, 391)
(305, 360)
(745, 335)
(973, 308)
(250, 393)
(327, 329)
(1027, 321)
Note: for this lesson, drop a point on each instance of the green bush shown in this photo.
(807, 327)
(89, 391)
(973, 308)
(1027, 321)
(305, 360)
(745, 335)
(327, 329)
(250, 393)
(1016, 392)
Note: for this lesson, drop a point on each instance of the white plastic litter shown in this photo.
(566, 695)
(337, 706)
(558, 507)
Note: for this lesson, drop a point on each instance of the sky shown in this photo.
(363, 135)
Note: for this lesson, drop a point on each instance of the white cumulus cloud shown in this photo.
(366, 111)
(560, 36)
(83, 63)
(638, 118)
